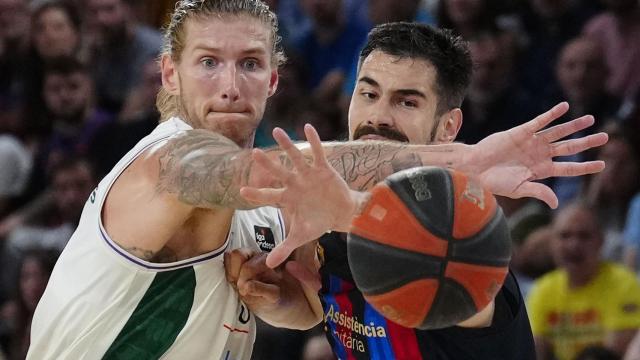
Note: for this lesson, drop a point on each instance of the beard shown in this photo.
(386, 132)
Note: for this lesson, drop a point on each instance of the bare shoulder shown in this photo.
(137, 215)
(155, 196)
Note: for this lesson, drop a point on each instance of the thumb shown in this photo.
(254, 288)
(539, 191)
(304, 275)
(278, 255)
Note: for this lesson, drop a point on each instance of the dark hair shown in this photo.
(446, 52)
(65, 6)
(65, 65)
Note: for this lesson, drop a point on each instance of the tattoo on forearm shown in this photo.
(205, 170)
(366, 165)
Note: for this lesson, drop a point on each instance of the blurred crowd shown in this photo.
(78, 84)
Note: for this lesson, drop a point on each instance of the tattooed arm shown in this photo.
(197, 169)
(364, 164)
(155, 198)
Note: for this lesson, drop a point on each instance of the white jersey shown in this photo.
(102, 302)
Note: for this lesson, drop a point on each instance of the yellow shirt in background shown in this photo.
(571, 319)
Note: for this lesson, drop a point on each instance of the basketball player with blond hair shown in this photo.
(143, 276)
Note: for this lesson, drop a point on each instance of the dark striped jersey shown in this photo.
(356, 330)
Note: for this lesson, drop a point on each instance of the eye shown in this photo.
(250, 64)
(369, 95)
(209, 63)
(409, 103)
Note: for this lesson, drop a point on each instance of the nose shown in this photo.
(229, 85)
(380, 115)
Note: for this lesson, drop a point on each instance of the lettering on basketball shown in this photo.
(264, 238)
(392, 314)
(420, 187)
(474, 194)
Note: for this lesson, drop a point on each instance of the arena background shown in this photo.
(77, 90)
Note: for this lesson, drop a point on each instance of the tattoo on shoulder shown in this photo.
(204, 169)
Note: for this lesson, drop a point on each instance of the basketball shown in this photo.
(430, 249)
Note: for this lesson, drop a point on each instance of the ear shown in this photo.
(273, 82)
(450, 123)
(170, 78)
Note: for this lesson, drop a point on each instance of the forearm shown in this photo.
(364, 164)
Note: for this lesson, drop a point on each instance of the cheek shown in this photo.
(414, 127)
(255, 87)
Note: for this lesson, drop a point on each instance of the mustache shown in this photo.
(385, 131)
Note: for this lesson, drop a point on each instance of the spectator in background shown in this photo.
(618, 32)
(467, 18)
(567, 308)
(493, 96)
(631, 236)
(51, 226)
(330, 48)
(548, 25)
(68, 94)
(324, 116)
(136, 120)
(35, 268)
(611, 191)
(384, 11)
(15, 162)
(120, 51)
(582, 73)
(14, 47)
(55, 33)
(596, 352)
(281, 108)
(56, 30)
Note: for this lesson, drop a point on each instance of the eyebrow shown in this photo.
(249, 51)
(405, 92)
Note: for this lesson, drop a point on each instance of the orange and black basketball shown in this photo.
(430, 249)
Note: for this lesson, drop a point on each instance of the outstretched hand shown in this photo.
(313, 195)
(508, 162)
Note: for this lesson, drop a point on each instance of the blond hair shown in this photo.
(174, 36)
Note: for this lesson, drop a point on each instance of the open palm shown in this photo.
(508, 162)
(313, 196)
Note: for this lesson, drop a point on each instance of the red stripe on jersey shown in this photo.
(403, 341)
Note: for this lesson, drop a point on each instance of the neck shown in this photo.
(584, 277)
